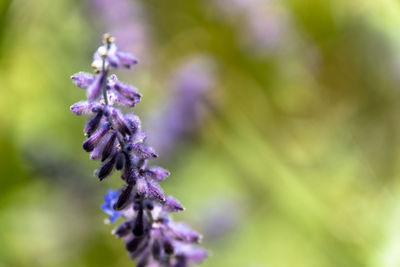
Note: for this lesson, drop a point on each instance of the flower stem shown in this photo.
(104, 84)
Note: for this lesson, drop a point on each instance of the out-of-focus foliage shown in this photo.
(296, 162)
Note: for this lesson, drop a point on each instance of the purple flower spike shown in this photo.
(149, 234)
(83, 79)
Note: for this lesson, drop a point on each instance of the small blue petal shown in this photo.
(110, 199)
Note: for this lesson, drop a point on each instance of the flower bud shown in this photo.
(95, 139)
(142, 249)
(181, 262)
(94, 90)
(139, 137)
(143, 259)
(156, 249)
(124, 197)
(107, 52)
(119, 121)
(133, 122)
(184, 232)
(105, 169)
(171, 204)
(168, 248)
(143, 151)
(120, 160)
(123, 229)
(92, 123)
(83, 79)
(98, 150)
(138, 227)
(127, 60)
(83, 108)
(125, 101)
(130, 173)
(155, 191)
(126, 94)
(190, 254)
(156, 173)
(109, 146)
(127, 90)
(133, 244)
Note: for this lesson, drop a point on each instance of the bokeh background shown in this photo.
(279, 120)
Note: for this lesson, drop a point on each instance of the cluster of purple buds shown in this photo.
(116, 140)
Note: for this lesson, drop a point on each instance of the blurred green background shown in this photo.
(294, 163)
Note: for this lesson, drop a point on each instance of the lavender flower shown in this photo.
(115, 138)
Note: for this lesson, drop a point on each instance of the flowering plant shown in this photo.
(117, 141)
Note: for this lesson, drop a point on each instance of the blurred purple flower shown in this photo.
(186, 108)
(218, 224)
(264, 23)
(128, 21)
